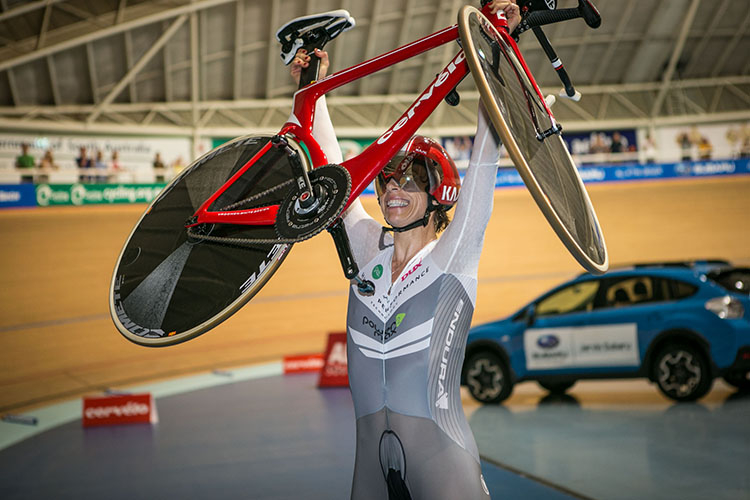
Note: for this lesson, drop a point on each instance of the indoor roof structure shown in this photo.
(213, 67)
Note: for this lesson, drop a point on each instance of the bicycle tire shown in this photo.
(522, 120)
(168, 287)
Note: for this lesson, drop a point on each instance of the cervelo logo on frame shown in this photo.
(426, 95)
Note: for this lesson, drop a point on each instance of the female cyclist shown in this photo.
(405, 343)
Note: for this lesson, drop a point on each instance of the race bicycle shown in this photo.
(218, 232)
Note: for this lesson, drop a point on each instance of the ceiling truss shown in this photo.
(362, 116)
(709, 93)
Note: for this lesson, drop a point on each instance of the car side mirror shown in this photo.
(530, 315)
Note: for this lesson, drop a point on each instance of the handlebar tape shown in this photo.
(556, 63)
(542, 17)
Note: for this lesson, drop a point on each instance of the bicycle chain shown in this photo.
(259, 195)
(254, 241)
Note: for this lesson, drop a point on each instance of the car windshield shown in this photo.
(736, 279)
(578, 297)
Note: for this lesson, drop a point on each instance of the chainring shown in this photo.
(332, 185)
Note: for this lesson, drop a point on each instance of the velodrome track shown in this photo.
(57, 341)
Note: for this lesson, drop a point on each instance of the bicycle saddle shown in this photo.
(312, 31)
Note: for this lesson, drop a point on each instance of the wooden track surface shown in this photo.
(57, 341)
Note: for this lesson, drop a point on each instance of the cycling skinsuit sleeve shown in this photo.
(458, 249)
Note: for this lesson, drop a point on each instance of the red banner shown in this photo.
(120, 409)
(334, 372)
(306, 363)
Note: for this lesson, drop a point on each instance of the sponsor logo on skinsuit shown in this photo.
(409, 273)
(377, 271)
(378, 332)
(442, 398)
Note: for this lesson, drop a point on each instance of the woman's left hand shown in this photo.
(512, 12)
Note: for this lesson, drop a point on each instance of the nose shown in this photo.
(392, 185)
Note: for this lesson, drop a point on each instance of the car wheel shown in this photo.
(738, 379)
(488, 378)
(682, 372)
(557, 387)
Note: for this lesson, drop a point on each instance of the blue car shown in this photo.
(678, 324)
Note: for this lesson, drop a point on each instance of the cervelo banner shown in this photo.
(335, 369)
(17, 195)
(303, 363)
(88, 194)
(119, 409)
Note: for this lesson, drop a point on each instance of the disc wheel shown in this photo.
(171, 284)
(532, 138)
(299, 220)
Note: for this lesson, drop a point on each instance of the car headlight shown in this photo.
(726, 307)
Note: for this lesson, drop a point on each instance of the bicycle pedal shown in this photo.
(550, 100)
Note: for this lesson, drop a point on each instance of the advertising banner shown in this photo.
(89, 194)
(120, 409)
(508, 177)
(304, 363)
(335, 369)
(17, 195)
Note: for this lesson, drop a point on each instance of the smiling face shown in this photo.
(401, 207)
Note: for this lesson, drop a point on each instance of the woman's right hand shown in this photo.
(302, 60)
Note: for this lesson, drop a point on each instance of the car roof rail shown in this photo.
(682, 264)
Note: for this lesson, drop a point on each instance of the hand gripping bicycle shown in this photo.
(217, 233)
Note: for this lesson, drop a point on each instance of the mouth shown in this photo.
(396, 203)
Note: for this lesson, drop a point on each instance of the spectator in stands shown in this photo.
(686, 147)
(101, 167)
(115, 163)
(83, 162)
(597, 144)
(178, 165)
(649, 149)
(25, 160)
(46, 165)
(745, 141)
(619, 143)
(705, 149)
(158, 168)
(114, 167)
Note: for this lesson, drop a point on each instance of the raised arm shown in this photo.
(364, 231)
(459, 248)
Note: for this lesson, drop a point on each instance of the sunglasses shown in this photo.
(409, 175)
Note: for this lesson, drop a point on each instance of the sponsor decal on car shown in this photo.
(587, 346)
(547, 341)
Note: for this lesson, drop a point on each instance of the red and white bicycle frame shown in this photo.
(364, 167)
